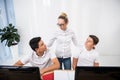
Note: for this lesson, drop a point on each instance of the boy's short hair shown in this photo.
(95, 39)
(34, 42)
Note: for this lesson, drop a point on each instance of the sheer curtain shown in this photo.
(6, 17)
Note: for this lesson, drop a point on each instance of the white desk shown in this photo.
(64, 74)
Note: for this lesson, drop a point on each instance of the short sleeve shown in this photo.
(26, 58)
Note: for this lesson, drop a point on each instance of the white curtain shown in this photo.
(6, 17)
(98, 17)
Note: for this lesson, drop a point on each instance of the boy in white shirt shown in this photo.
(40, 57)
(87, 55)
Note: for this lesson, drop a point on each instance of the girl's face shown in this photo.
(61, 23)
(89, 44)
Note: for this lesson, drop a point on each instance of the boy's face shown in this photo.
(41, 48)
(89, 43)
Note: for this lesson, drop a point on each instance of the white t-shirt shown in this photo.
(39, 61)
(63, 42)
(86, 58)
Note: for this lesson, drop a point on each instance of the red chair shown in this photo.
(48, 76)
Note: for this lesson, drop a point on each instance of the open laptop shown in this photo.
(97, 73)
(19, 73)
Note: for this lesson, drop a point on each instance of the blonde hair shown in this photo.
(63, 16)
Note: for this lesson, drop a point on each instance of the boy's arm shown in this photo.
(24, 60)
(55, 65)
(18, 63)
(96, 64)
(74, 64)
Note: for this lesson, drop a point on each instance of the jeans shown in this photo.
(66, 62)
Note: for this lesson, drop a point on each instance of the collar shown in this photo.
(39, 56)
(87, 50)
(65, 30)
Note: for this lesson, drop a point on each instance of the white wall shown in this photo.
(99, 17)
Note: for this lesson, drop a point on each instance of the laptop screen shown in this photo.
(19, 73)
(97, 73)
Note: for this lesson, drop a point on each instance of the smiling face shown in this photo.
(61, 23)
(89, 44)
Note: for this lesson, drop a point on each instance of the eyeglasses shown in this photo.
(60, 24)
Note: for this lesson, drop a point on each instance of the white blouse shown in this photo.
(63, 42)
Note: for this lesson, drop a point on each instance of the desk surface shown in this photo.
(59, 74)
(64, 74)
